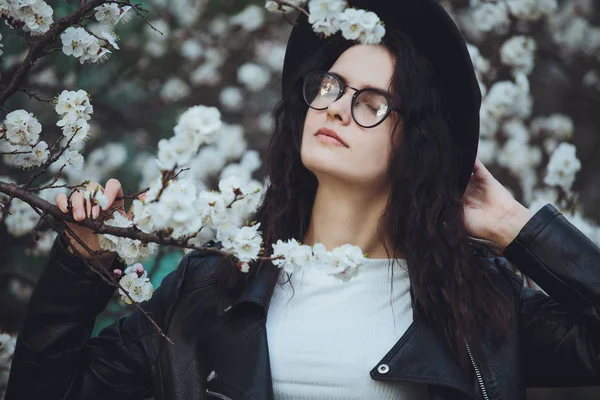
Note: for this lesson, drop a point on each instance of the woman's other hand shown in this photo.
(83, 208)
(490, 211)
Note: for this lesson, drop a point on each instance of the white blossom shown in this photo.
(231, 142)
(342, 262)
(21, 128)
(199, 124)
(209, 161)
(250, 18)
(325, 10)
(363, 26)
(481, 64)
(7, 350)
(111, 38)
(254, 77)
(287, 250)
(137, 284)
(175, 89)
(273, 6)
(486, 151)
(212, 208)
(251, 160)
(562, 167)
(518, 156)
(130, 250)
(191, 49)
(491, 17)
(531, 10)
(72, 159)
(244, 243)
(111, 14)
(77, 42)
(236, 169)
(232, 98)
(36, 14)
(21, 218)
(519, 52)
(558, 126)
(97, 197)
(43, 244)
(72, 106)
(272, 53)
(76, 131)
(35, 157)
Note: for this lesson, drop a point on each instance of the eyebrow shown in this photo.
(343, 78)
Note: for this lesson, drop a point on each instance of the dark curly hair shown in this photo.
(424, 215)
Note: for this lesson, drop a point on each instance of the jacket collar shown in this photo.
(418, 356)
(260, 288)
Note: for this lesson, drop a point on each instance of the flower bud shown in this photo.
(117, 273)
(139, 270)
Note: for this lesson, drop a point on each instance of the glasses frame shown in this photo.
(357, 92)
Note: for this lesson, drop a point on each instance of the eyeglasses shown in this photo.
(370, 107)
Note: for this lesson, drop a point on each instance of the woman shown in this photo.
(373, 146)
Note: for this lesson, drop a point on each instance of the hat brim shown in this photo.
(437, 37)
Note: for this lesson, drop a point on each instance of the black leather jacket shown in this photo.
(221, 351)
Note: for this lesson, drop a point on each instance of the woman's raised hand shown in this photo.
(83, 208)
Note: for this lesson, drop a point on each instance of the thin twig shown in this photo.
(98, 226)
(103, 273)
(295, 7)
(35, 96)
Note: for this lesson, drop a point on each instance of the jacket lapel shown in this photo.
(420, 357)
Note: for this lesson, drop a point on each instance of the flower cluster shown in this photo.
(495, 17)
(328, 17)
(79, 43)
(244, 243)
(111, 14)
(519, 53)
(7, 349)
(130, 250)
(136, 282)
(33, 16)
(197, 126)
(74, 109)
(22, 132)
(182, 211)
(342, 262)
(21, 218)
(563, 167)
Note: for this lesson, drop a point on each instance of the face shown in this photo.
(364, 159)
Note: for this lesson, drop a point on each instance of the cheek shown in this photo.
(375, 148)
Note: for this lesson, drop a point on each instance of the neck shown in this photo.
(343, 215)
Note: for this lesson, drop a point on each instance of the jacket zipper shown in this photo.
(477, 372)
(217, 395)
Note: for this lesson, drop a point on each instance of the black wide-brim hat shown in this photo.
(436, 37)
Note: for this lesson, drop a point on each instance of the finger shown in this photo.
(62, 202)
(112, 191)
(95, 212)
(77, 202)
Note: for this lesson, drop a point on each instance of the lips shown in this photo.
(332, 134)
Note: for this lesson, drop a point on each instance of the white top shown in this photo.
(325, 335)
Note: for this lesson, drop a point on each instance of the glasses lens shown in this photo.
(370, 108)
(320, 90)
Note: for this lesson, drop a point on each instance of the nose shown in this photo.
(341, 108)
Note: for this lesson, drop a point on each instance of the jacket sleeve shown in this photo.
(560, 332)
(55, 357)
